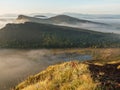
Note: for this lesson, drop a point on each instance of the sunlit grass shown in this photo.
(66, 76)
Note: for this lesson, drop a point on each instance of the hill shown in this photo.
(35, 35)
(75, 76)
(64, 20)
(69, 20)
(59, 19)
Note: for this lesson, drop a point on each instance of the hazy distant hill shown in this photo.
(35, 35)
(60, 19)
(43, 14)
(69, 20)
(64, 20)
(40, 16)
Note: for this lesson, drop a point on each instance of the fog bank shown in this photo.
(16, 65)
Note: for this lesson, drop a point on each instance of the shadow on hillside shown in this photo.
(108, 75)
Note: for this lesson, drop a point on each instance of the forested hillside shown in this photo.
(34, 35)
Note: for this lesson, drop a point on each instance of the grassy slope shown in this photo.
(75, 76)
(66, 76)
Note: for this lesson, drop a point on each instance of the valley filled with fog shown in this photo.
(16, 65)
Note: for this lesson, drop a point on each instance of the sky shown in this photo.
(59, 6)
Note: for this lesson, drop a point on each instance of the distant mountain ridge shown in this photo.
(64, 20)
(59, 19)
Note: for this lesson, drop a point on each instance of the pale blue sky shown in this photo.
(60, 6)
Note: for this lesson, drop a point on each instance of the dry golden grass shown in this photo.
(66, 76)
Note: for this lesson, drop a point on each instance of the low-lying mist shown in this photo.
(95, 27)
(3, 22)
(16, 65)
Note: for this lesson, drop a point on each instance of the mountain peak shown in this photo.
(57, 20)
